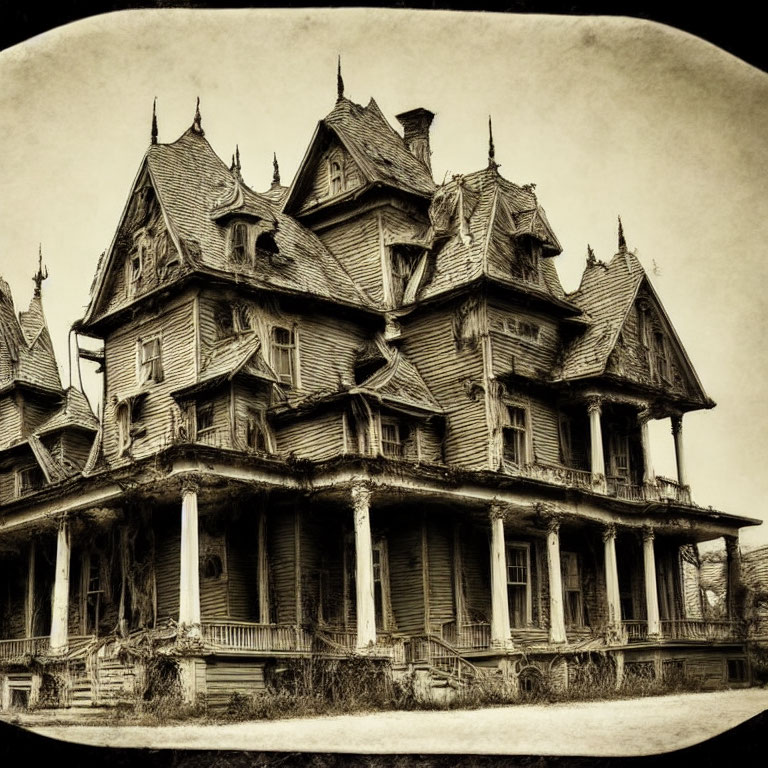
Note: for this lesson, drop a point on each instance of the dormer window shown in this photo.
(526, 260)
(284, 354)
(336, 175)
(238, 252)
(224, 321)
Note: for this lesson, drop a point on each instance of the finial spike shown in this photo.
(491, 148)
(197, 124)
(591, 258)
(339, 80)
(154, 121)
(275, 171)
(622, 240)
(237, 156)
(41, 274)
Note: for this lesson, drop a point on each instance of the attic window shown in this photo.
(336, 177)
(29, 480)
(520, 328)
(239, 244)
(526, 262)
(660, 365)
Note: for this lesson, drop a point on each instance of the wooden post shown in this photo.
(612, 592)
(458, 581)
(677, 435)
(189, 578)
(365, 606)
(500, 629)
(122, 622)
(649, 476)
(651, 593)
(733, 576)
(556, 613)
(425, 573)
(263, 566)
(60, 607)
(29, 612)
(597, 459)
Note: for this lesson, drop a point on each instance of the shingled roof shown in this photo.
(75, 413)
(474, 219)
(377, 148)
(26, 350)
(197, 192)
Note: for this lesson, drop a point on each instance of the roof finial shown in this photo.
(491, 148)
(339, 81)
(275, 171)
(622, 241)
(197, 124)
(591, 258)
(40, 276)
(154, 121)
(236, 167)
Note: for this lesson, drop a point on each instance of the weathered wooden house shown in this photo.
(358, 414)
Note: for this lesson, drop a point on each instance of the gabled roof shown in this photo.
(376, 147)
(474, 219)
(197, 193)
(606, 295)
(26, 350)
(399, 382)
(74, 413)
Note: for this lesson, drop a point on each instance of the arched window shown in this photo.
(239, 244)
(336, 177)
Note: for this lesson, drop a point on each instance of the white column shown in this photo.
(597, 460)
(677, 435)
(60, 607)
(500, 631)
(651, 593)
(263, 567)
(733, 575)
(365, 606)
(612, 592)
(29, 612)
(649, 476)
(189, 578)
(556, 614)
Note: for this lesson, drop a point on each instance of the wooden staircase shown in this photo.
(448, 668)
(81, 688)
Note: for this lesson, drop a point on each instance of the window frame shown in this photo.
(336, 175)
(206, 407)
(124, 419)
(391, 422)
(291, 347)
(147, 375)
(235, 244)
(257, 416)
(525, 547)
(570, 556)
(523, 434)
(24, 488)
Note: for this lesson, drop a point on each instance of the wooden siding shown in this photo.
(405, 574)
(225, 678)
(167, 570)
(442, 601)
(35, 413)
(475, 558)
(450, 373)
(76, 447)
(282, 553)
(10, 420)
(317, 436)
(158, 411)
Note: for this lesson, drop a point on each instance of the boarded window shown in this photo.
(284, 354)
(151, 365)
(519, 584)
(238, 252)
(515, 436)
(526, 261)
(619, 456)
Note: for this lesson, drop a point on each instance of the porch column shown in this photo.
(677, 435)
(365, 605)
(500, 630)
(189, 578)
(649, 476)
(597, 460)
(556, 613)
(60, 607)
(263, 567)
(29, 612)
(612, 592)
(651, 593)
(733, 576)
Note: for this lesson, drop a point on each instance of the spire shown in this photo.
(622, 241)
(197, 124)
(275, 172)
(154, 121)
(339, 81)
(491, 148)
(236, 167)
(40, 275)
(591, 259)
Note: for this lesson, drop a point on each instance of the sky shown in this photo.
(607, 116)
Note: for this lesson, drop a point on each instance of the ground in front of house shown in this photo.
(642, 726)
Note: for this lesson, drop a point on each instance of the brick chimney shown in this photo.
(416, 124)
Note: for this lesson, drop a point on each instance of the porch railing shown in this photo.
(696, 629)
(242, 636)
(636, 630)
(438, 654)
(475, 636)
(559, 475)
(672, 490)
(32, 646)
(344, 641)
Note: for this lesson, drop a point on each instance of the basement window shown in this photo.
(737, 671)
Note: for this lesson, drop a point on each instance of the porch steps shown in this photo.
(115, 680)
(81, 692)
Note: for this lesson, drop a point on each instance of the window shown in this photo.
(242, 318)
(336, 176)
(150, 360)
(266, 242)
(514, 435)
(239, 244)
(91, 566)
(391, 444)
(660, 360)
(619, 456)
(211, 567)
(29, 480)
(283, 354)
(379, 559)
(126, 413)
(256, 435)
(574, 608)
(223, 321)
(204, 417)
(737, 671)
(526, 264)
(518, 584)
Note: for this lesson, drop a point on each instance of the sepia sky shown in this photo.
(606, 115)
